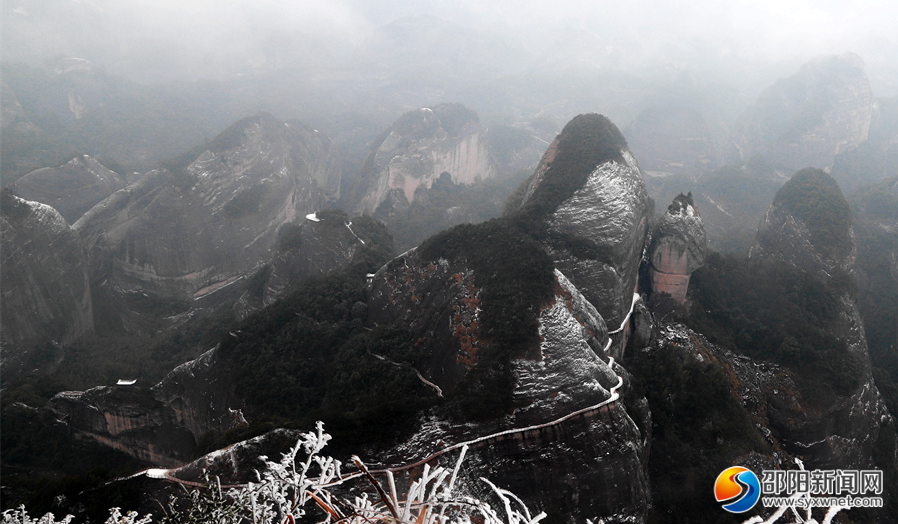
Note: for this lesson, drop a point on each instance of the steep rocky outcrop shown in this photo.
(516, 361)
(72, 188)
(875, 217)
(46, 292)
(126, 419)
(588, 204)
(165, 423)
(159, 425)
(778, 420)
(810, 117)
(809, 227)
(875, 158)
(325, 241)
(678, 248)
(418, 148)
(448, 305)
(732, 200)
(212, 217)
(774, 366)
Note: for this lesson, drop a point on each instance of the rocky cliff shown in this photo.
(46, 292)
(774, 365)
(159, 425)
(512, 362)
(554, 367)
(678, 248)
(325, 241)
(875, 217)
(588, 204)
(211, 218)
(732, 200)
(164, 424)
(875, 158)
(72, 188)
(808, 118)
(809, 227)
(418, 148)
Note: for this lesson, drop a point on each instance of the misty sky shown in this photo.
(163, 40)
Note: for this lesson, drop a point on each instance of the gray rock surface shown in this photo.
(596, 459)
(596, 233)
(160, 425)
(844, 432)
(72, 188)
(193, 230)
(809, 226)
(678, 248)
(419, 147)
(46, 295)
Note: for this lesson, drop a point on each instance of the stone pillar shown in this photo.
(678, 248)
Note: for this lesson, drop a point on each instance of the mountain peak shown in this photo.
(72, 188)
(586, 142)
(809, 224)
(825, 108)
(418, 148)
(587, 203)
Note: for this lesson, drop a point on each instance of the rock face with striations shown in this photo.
(418, 148)
(72, 188)
(811, 399)
(588, 204)
(159, 425)
(213, 218)
(810, 117)
(46, 293)
(552, 365)
(678, 248)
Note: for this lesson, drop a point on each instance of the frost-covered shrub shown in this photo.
(289, 489)
(20, 516)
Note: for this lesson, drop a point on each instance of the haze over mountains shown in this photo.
(611, 253)
(505, 62)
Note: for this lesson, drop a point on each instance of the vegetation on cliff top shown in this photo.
(770, 310)
(698, 428)
(814, 197)
(517, 277)
(308, 357)
(584, 143)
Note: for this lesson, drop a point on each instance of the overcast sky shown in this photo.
(164, 40)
